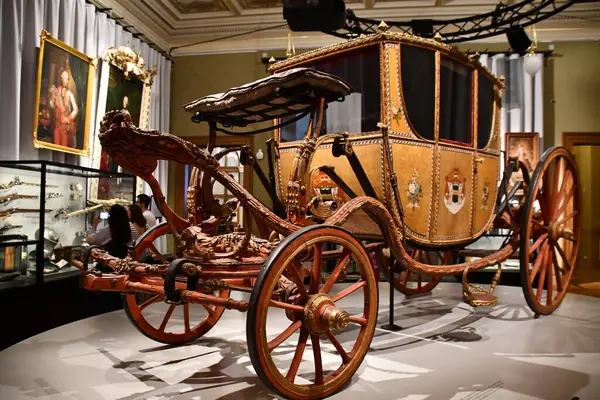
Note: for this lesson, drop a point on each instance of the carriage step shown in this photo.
(475, 295)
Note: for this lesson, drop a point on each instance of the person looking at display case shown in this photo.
(114, 238)
(143, 201)
(137, 221)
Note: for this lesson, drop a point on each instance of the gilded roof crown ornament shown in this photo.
(437, 37)
(382, 27)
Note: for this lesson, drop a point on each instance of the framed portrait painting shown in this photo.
(526, 147)
(63, 97)
(124, 85)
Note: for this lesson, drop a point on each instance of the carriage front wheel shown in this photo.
(291, 303)
(550, 230)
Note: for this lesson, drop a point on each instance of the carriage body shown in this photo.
(442, 110)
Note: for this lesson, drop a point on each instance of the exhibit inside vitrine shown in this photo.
(371, 190)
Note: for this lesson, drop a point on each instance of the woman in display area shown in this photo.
(137, 221)
(116, 237)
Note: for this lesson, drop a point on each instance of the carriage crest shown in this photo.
(325, 188)
(485, 195)
(454, 196)
(415, 190)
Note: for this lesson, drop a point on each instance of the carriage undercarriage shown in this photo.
(293, 268)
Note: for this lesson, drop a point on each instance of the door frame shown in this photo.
(571, 139)
(202, 141)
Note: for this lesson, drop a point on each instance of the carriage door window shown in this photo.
(229, 163)
(455, 102)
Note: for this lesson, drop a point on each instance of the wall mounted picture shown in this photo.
(63, 97)
(526, 147)
(124, 85)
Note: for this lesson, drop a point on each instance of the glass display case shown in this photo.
(46, 211)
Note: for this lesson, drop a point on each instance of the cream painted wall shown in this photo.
(571, 88)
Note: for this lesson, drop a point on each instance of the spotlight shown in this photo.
(518, 39)
(314, 15)
(422, 27)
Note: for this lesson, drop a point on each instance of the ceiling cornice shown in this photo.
(162, 22)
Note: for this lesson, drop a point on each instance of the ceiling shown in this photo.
(173, 23)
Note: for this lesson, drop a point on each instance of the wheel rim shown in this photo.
(411, 283)
(312, 311)
(167, 323)
(551, 230)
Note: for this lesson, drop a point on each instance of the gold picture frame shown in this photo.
(526, 147)
(124, 84)
(63, 99)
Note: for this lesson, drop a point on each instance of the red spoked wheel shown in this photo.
(550, 231)
(412, 283)
(166, 323)
(293, 310)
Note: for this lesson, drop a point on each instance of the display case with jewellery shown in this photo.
(46, 210)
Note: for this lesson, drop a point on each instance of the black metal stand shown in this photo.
(390, 326)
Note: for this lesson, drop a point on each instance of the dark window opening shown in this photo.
(455, 102)
(418, 88)
(485, 110)
(359, 112)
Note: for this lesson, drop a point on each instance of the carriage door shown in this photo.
(455, 152)
(486, 166)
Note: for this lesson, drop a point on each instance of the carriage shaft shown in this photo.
(114, 283)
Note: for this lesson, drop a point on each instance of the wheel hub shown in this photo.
(321, 315)
(558, 230)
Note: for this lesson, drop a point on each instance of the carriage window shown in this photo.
(359, 112)
(485, 110)
(418, 88)
(455, 102)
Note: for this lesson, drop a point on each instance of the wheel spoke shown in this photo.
(157, 253)
(362, 321)
(541, 240)
(557, 272)
(286, 306)
(283, 336)
(542, 277)
(347, 291)
(539, 261)
(336, 271)
(165, 320)
(338, 347)
(208, 308)
(315, 272)
(564, 257)
(291, 375)
(568, 217)
(549, 280)
(152, 300)
(186, 317)
(318, 363)
(562, 206)
(298, 281)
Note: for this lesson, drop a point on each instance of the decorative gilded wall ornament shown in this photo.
(485, 194)
(415, 190)
(454, 195)
(130, 62)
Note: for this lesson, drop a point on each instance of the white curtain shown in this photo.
(522, 102)
(81, 26)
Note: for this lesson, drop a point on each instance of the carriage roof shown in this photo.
(335, 50)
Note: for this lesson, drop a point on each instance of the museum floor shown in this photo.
(447, 350)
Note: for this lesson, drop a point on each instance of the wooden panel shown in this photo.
(394, 107)
(283, 169)
(455, 195)
(368, 152)
(486, 192)
(413, 164)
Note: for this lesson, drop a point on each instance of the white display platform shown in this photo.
(447, 350)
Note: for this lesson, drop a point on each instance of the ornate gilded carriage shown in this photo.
(408, 163)
(441, 108)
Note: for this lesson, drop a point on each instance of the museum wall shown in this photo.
(571, 87)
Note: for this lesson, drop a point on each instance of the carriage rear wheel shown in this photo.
(166, 323)
(412, 283)
(339, 319)
(550, 231)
